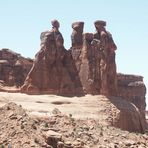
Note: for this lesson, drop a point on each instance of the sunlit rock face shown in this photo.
(53, 70)
(88, 67)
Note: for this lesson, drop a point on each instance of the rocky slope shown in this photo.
(17, 129)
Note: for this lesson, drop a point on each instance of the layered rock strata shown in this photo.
(133, 89)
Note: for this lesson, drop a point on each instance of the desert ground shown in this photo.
(43, 105)
(50, 121)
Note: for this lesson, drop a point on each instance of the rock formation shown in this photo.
(53, 70)
(13, 68)
(126, 115)
(132, 88)
(87, 68)
(108, 73)
(95, 60)
(77, 37)
(89, 71)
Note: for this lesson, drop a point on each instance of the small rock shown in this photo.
(34, 127)
(116, 146)
(19, 117)
(78, 139)
(60, 144)
(129, 142)
(52, 122)
(91, 127)
(76, 143)
(54, 129)
(105, 139)
(45, 129)
(52, 138)
(68, 144)
(117, 135)
(56, 111)
(13, 133)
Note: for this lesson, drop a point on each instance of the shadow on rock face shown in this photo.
(127, 116)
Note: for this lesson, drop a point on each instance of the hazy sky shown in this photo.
(22, 21)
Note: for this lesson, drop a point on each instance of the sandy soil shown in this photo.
(78, 107)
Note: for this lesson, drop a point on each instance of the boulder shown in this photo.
(126, 115)
(53, 138)
(133, 89)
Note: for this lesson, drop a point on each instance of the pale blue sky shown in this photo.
(22, 21)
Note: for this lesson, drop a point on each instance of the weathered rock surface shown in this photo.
(87, 68)
(132, 88)
(87, 60)
(127, 116)
(53, 70)
(17, 129)
(107, 47)
(13, 68)
(77, 34)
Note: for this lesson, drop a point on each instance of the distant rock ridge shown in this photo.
(13, 68)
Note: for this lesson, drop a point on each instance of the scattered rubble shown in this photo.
(17, 130)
